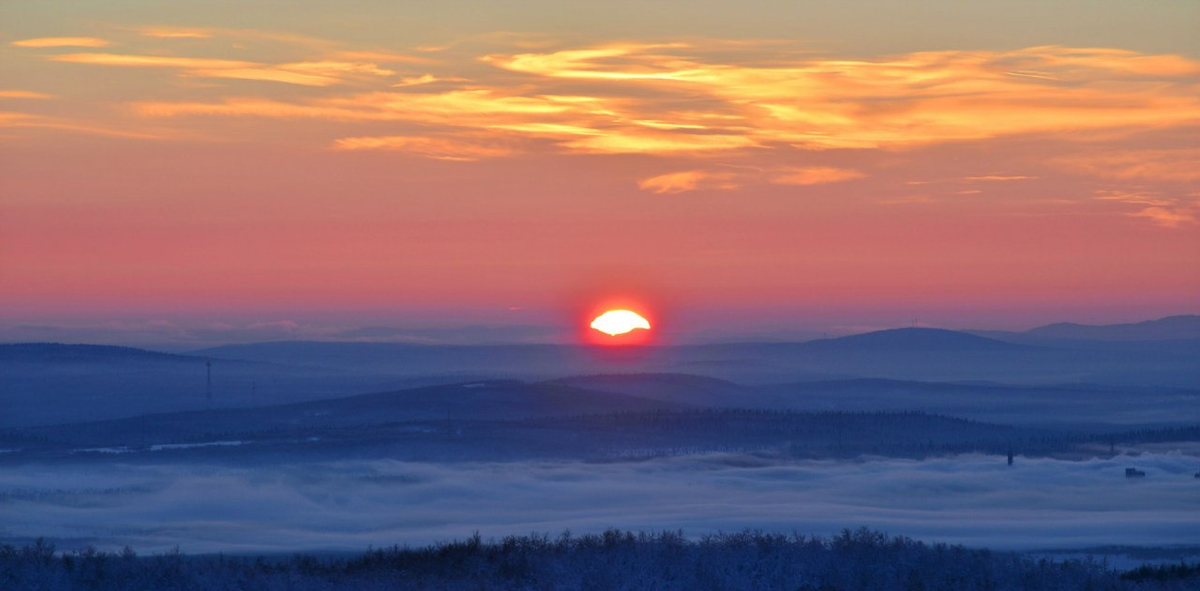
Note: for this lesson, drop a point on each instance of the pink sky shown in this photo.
(180, 167)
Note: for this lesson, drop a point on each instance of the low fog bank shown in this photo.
(974, 500)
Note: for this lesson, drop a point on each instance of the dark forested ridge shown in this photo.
(327, 433)
(611, 561)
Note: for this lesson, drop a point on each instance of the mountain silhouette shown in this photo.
(917, 339)
(1169, 328)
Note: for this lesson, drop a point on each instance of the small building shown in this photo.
(1134, 473)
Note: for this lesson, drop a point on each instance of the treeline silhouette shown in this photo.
(612, 561)
(1165, 572)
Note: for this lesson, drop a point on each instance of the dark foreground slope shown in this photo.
(612, 561)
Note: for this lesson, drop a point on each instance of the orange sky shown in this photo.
(210, 166)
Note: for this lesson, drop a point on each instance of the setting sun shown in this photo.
(618, 322)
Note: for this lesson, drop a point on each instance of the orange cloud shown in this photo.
(62, 42)
(10, 119)
(1174, 165)
(417, 80)
(696, 101)
(577, 123)
(1000, 177)
(1169, 212)
(670, 99)
(1137, 197)
(911, 200)
(688, 180)
(632, 142)
(239, 36)
(815, 175)
(336, 68)
(905, 100)
(176, 33)
(1165, 217)
(1116, 60)
(317, 73)
(437, 148)
(24, 94)
(267, 75)
(380, 56)
(148, 61)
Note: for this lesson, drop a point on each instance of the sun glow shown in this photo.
(618, 322)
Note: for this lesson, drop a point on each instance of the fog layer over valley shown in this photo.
(975, 500)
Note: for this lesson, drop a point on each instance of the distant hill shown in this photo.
(47, 383)
(672, 387)
(406, 358)
(1184, 327)
(489, 400)
(921, 354)
(917, 339)
(565, 358)
(1080, 405)
(65, 353)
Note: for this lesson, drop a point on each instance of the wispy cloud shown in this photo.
(440, 148)
(930, 96)
(1165, 217)
(1169, 212)
(910, 200)
(176, 32)
(666, 99)
(815, 175)
(381, 56)
(24, 94)
(1171, 165)
(726, 179)
(1000, 177)
(62, 42)
(424, 79)
(238, 36)
(687, 180)
(1138, 197)
(18, 120)
(635, 142)
(319, 73)
(148, 61)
